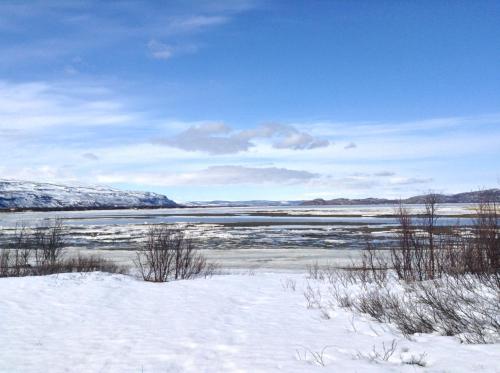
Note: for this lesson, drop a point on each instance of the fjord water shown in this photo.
(284, 237)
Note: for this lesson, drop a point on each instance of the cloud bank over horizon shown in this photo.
(248, 100)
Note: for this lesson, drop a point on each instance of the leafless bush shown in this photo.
(341, 295)
(424, 253)
(92, 263)
(15, 257)
(313, 297)
(374, 303)
(4, 262)
(485, 255)
(384, 354)
(168, 255)
(447, 279)
(464, 306)
(374, 266)
(314, 272)
(317, 357)
(416, 360)
(289, 284)
(38, 251)
(48, 243)
(211, 269)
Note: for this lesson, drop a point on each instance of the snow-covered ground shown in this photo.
(229, 323)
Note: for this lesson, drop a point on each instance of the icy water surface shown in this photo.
(259, 235)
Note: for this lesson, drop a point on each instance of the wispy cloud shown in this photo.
(81, 131)
(218, 138)
(215, 175)
(384, 173)
(68, 28)
(36, 105)
(380, 128)
(194, 23)
(90, 156)
(164, 51)
(410, 180)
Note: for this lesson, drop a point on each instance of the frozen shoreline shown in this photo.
(268, 259)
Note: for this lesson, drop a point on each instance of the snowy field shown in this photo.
(229, 323)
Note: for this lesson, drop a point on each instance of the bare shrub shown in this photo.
(289, 284)
(374, 266)
(317, 357)
(341, 296)
(92, 263)
(38, 251)
(464, 306)
(485, 257)
(16, 255)
(373, 303)
(4, 262)
(48, 243)
(416, 360)
(447, 278)
(383, 354)
(168, 255)
(314, 272)
(313, 297)
(424, 253)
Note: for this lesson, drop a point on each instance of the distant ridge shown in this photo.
(467, 197)
(26, 195)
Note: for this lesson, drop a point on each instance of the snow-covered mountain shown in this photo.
(16, 194)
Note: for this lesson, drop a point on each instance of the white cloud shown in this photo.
(90, 156)
(160, 50)
(35, 105)
(45, 172)
(213, 138)
(384, 173)
(215, 175)
(193, 23)
(410, 180)
(69, 28)
(373, 128)
(164, 51)
(55, 131)
(218, 138)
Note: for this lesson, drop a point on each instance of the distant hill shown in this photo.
(252, 203)
(468, 197)
(19, 195)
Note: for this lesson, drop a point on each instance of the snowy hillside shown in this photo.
(33, 195)
(233, 323)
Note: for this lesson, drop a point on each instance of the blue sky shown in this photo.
(250, 99)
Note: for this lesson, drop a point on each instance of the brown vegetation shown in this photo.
(434, 280)
(167, 254)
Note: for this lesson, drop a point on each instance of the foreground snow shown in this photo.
(232, 323)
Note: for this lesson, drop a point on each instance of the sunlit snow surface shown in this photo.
(229, 323)
(273, 237)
